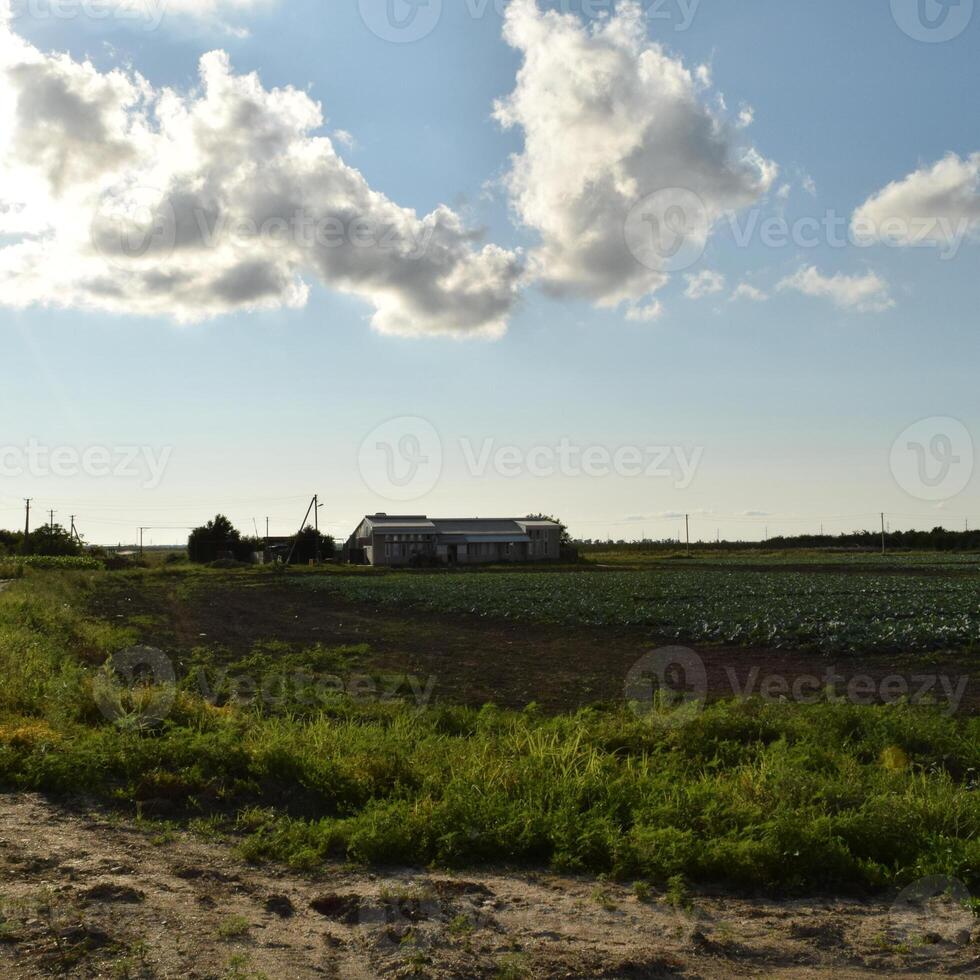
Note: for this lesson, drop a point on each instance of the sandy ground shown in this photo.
(84, 893)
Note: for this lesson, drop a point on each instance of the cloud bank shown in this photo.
(609, 118)
(118, 196)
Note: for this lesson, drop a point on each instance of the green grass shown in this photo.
(834, 613)
(750, 795)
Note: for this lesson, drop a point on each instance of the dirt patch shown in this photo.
(473, 660)
(240, 921)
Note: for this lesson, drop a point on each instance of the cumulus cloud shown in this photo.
(608, 119)
(745, 290)
(863, 294)
(118, 196)
(705, 283)
(938, 205)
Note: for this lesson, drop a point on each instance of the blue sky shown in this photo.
(788, 411)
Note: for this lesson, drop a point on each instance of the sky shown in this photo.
(614, 262)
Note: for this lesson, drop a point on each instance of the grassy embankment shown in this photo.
(747, 795)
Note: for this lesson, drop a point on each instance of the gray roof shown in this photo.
(478, 528)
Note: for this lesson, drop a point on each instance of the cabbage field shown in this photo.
(829, 612)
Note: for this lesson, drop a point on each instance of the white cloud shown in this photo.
(653, 310)
(345, 139)
(937, 205)
(809, 185)
(746, 116)
(705, 283)
(609, 118)
(745, 290)
(863, 294)
(118, 196)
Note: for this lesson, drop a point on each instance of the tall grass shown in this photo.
(747, 794)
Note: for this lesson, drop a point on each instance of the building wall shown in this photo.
(545, 544)
(381, 550)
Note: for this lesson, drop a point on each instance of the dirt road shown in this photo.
(86, 894)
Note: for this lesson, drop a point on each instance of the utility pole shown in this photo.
(142, 529)
(687, 529)
(316, 523)
(292, 550)
(27, 527)
(51, 519)
(883, 533)
(267, 531)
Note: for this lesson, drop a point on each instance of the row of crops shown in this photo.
(834, 613)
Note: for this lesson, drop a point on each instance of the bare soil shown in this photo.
(85, 894)
(474, 660)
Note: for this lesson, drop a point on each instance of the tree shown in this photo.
(11, 542)
(306, 546)
(53, 541)
(218, 539)
(566, 538)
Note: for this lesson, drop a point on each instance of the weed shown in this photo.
(678, 896)
(513, 966)
(603, 898)
(233, 927)
(239, 968)
(461, 926)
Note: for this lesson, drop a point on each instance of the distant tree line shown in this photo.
(938, 539)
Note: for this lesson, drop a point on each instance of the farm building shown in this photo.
(382, 539)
